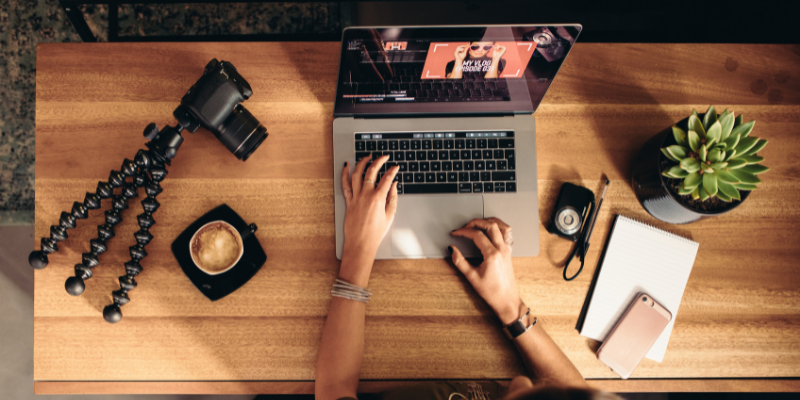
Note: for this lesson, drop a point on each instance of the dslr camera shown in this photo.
(214, 103)
(570, 211)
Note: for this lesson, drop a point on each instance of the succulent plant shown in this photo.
(717, 157)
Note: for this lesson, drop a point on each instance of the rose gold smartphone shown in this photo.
(634, 334)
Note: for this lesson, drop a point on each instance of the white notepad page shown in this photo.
(639, 259)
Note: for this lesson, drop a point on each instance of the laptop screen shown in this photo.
(392, 71)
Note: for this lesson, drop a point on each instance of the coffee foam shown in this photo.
(216, 247)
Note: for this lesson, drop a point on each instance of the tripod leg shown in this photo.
(157, 172)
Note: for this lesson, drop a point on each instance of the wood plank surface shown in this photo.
(740, 315)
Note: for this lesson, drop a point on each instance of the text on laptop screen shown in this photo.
(449, 69)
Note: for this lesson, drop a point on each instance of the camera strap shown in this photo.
(581, 246)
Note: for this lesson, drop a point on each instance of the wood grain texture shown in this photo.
(740, 315)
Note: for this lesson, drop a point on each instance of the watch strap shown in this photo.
(520, 326)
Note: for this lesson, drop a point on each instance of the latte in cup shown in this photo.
(216, 247)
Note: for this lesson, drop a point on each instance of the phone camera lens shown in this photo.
(644, 299)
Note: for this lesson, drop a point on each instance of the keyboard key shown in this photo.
(390, 165)
(431, 188)
(444, 155)
(436, 166)
(511, 186)
(476, 154)
(466, 155)
(410, 156)
(360, 145)
(372, 145)
(433, 155)
(403, 167)
(398, 178)
(487, 154)
(413, 167)
(511, 163)
(501, 165)
(474, 176)
(488, 187)
(480, 165)
(490, 165)
(376, 155)
(509, 155)
(506, 143)
(470, 143)
(441, 177)
(452, 176)
(408, 177)
(458, 166)
(416, 145)
(399, 188)
(504, 176)
(361, 155)
(390, 154)
(437, 144)
(424, 166)
(383, 145)
(499, 187)
(469, 165)
(419, 177)
(422, 155)
(465, 188)
(492, 143)
(454, 154)
(399, 156)
(460, 144)
(430, 177)
(477, 188)
(481, 143)
(448, 144)
(404, 145)
(486, 176)
(447, 165)
(393, 145)
(463, 176)
(498, 154)
(426, 145)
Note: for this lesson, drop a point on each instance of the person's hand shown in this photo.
(494, 279)
(498, 52)
(370, 209)
(461, 52)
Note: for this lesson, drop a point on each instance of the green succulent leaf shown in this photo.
(696, 193)
(736, 163)
(715, 155)
(714, 133)
(678, 152)
(710, 118)
(668, 155)
(722, 196)
(727, 125)
(696, 125)
(744, 177)
(692, 180)
(738, 121)
(704, 195)
(683, 191)
(690, 164)
(706, 168)
(680, 136)
(694, 140)
(703, 153)
(746, 144)
(729, 190)
(727, 155)
(754, 169)
(732, 141)
(710, 183)
(727, 177)
(678, 172)
(746, 186)
(743, 129)
(757, 147)
(718, 166)
(751, 159)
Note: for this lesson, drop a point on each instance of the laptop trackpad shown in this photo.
(422, 225)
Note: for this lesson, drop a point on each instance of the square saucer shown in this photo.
(216, 287)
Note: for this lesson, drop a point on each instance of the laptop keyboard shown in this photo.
(445, 162)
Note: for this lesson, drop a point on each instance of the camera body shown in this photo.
(214, 103)
(570, 211)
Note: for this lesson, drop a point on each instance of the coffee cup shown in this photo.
(217, 246)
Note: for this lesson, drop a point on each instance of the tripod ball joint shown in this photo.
(75, 286)
(112, 314)
(38, 259)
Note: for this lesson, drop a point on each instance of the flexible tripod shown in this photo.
(146, 170)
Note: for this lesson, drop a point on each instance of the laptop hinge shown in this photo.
(428, 115)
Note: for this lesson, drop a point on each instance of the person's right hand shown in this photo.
(461, 52)
(494, 279)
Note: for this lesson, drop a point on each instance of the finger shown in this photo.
(358, 172)
(491, 229)
(385, 185)
(504, 227)
(481, 240)
(461, 263)
(347, 184)
(372, 172)
(391, 202)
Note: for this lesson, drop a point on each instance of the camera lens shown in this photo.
(568, 221)
(241, 133)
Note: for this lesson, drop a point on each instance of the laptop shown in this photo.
(453, 107)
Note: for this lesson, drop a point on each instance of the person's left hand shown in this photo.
(498, 52)
(370, 209)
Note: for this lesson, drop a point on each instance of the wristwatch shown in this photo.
(520, 326)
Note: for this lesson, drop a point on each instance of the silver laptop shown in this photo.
(453, 107)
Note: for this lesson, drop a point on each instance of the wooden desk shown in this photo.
(740, 316)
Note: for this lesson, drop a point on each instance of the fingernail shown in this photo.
(345, 163)
(453, 230)
(450, 249)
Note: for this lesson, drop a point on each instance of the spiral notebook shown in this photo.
(638, 258)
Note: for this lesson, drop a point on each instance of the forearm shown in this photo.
(342, 347)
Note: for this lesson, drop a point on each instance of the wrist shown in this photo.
(513, 311)
(356, 267)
